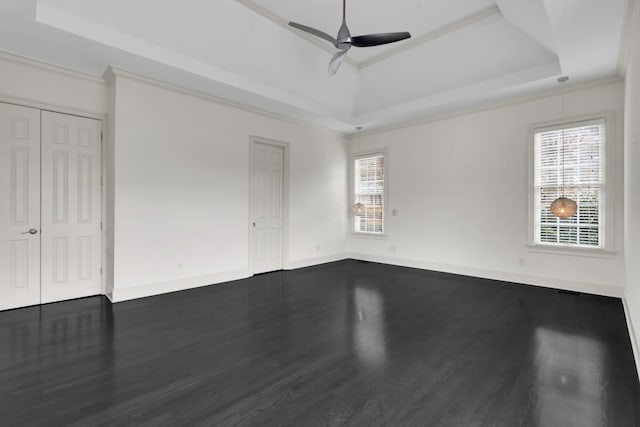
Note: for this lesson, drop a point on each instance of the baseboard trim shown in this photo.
(546, 282)
(151, 289)
(632, 335)
(125, 294)
(309, 262)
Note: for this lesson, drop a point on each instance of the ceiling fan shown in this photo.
(344, 41)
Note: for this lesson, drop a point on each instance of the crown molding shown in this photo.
(109, 75)
(113, 73)
(485, 106)
(32, 62)
(432, 35)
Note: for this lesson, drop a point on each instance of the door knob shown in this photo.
(31, 231)
(254, 224)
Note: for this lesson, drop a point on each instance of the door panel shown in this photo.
(71, 207)
(20, 206)
(267, 205)
(276, 245)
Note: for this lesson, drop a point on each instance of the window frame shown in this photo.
(352, 190)
(607, 211)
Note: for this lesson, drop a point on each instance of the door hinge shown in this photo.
(100, 226)
(101, 271)
(101, 136)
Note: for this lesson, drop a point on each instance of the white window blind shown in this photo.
(580, 146)
(369, 190)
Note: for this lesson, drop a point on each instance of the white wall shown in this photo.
(178, 180)
(27, 81)
(181, 182)
(632, 177)
(461, 188)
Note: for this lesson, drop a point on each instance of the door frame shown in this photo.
(104, 189)
(285, 198)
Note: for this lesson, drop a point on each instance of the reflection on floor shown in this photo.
(347, 343)
(368, 337)
(571, 375)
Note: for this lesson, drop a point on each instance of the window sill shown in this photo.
(571, 251)
(368, 235)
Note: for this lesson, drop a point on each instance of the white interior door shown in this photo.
(19, 206)
(71, 207)
(267, 189)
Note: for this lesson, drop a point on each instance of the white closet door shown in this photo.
(19, 206)
(267, 203)
(71, 208)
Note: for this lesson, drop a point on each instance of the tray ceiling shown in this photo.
(463, 52)
(420, 18)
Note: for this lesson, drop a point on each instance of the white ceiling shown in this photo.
(367, 16)
(463, 52)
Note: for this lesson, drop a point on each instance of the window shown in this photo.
(570, 156)
(369, 190)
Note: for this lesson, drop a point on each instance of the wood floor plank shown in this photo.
(343, 344)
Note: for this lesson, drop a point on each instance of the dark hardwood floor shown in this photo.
(347, 343)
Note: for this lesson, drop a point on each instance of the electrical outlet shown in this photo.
(392, 248)
(521, 261)
(317, 248)
(179, 266)
(394, 212)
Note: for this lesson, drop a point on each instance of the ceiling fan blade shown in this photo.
(315, 32)
(335, 62)
(378, 39)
